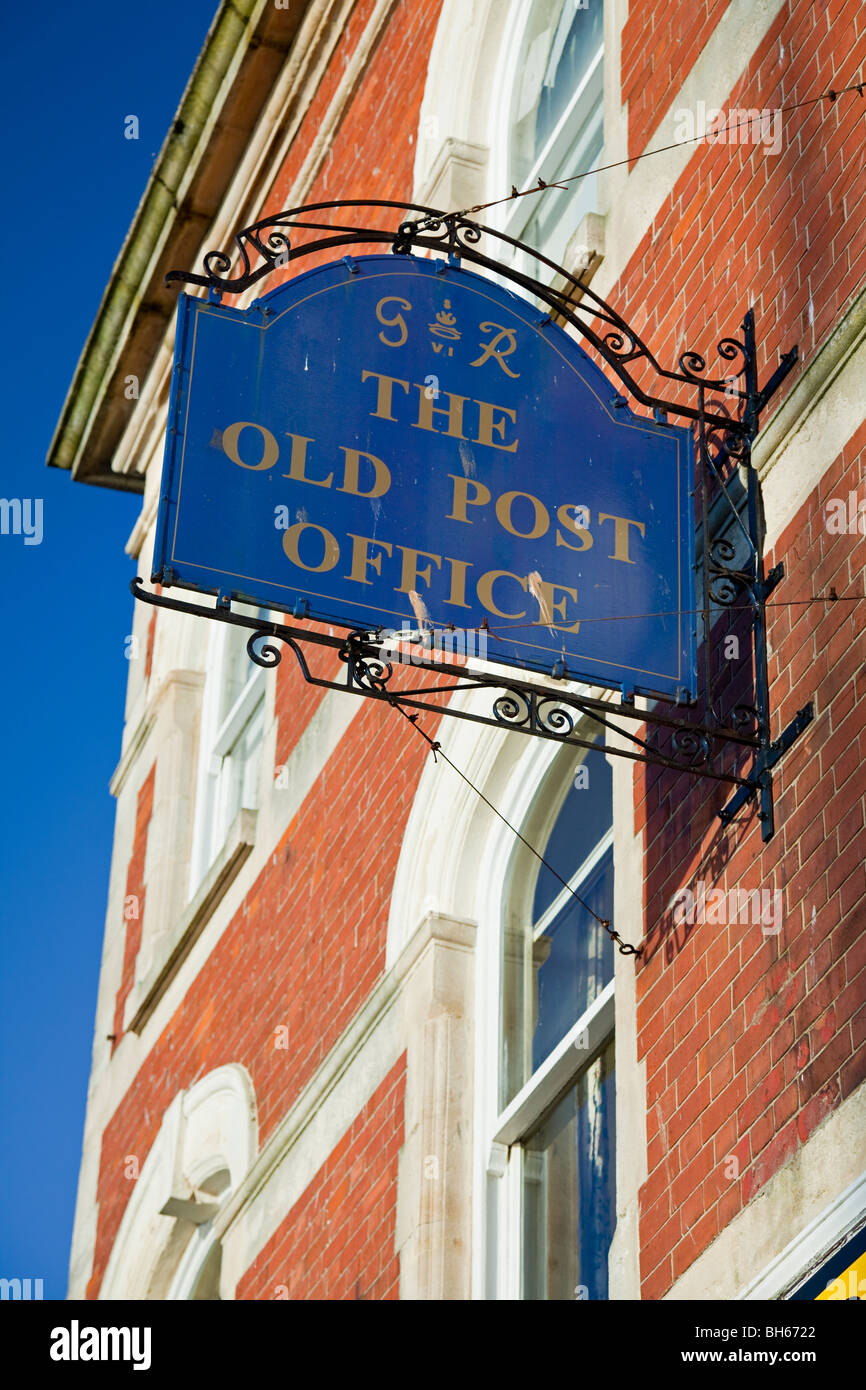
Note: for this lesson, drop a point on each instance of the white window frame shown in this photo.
(201, 1248)
(513, 217)
(498, 1191)
(218, 741)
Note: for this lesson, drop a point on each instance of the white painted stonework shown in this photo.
(439, 997)
(755, 1256)
(208, 1133)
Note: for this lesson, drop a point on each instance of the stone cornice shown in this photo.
(244, 50)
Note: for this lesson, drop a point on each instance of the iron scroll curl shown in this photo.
(283, 238)
(724, 431)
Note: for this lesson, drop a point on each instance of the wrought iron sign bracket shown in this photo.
(716, 743)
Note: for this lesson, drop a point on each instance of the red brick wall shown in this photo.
(303, 952)
(784, 232)
(134, 910)
(660, 44)
(337, 1242)
(738, 1030)
(373, 152)
(751, 1039)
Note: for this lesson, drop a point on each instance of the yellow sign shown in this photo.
(851, 1283)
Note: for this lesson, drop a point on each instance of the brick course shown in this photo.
(337, 1242)
(784, 1047)
(135, 890)
(780, 1010)
(750, 1040)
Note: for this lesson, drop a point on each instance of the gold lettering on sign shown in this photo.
(351, 483)
(361, 559)
(492, 349)
(457, 592)
(396, 321)
(292, 537)
(620, 534)
(485, 592)
(572, 524)
(444, 327)
(549, 606)
(270, 448)
(299, 460)
(384, 393)
(503, 515)
(462, 500)
(487, 425)
(453, 411)
(411, 573)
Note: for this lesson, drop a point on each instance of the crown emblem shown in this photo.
(445, 321)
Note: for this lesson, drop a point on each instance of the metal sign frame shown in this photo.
(725, 413)
(330, 366)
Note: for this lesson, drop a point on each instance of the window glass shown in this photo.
(560, 47)
(239, 668)
(240, 769)
(573, 956)
(586, 814)
(557, 958)
(233, 719)
(556, 121)
(569, 1191)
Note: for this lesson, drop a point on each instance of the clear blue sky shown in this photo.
(70, 74)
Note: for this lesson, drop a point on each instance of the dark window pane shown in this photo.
(586, 815)
(569, 1191)
(572, 960)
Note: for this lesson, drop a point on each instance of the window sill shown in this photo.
(177, 943)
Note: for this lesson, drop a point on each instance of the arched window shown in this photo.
(551, 1191)
(196, 1277)
(552, 109)
(167, 1246)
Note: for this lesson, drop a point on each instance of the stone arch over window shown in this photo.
(515, 88)
(452, 150)
(461, 867)
(449, 826)
(166, 1247)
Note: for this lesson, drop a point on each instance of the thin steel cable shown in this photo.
(634, 617)
(831, 95)
(625, 948)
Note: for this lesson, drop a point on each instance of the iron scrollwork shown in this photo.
(285, 237)
(454, 233)
(692, 745)
(724, 432)
(726, 584)
(519, 709)
(365, 670)
(266, 655)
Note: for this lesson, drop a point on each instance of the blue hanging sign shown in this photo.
(392, 441)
